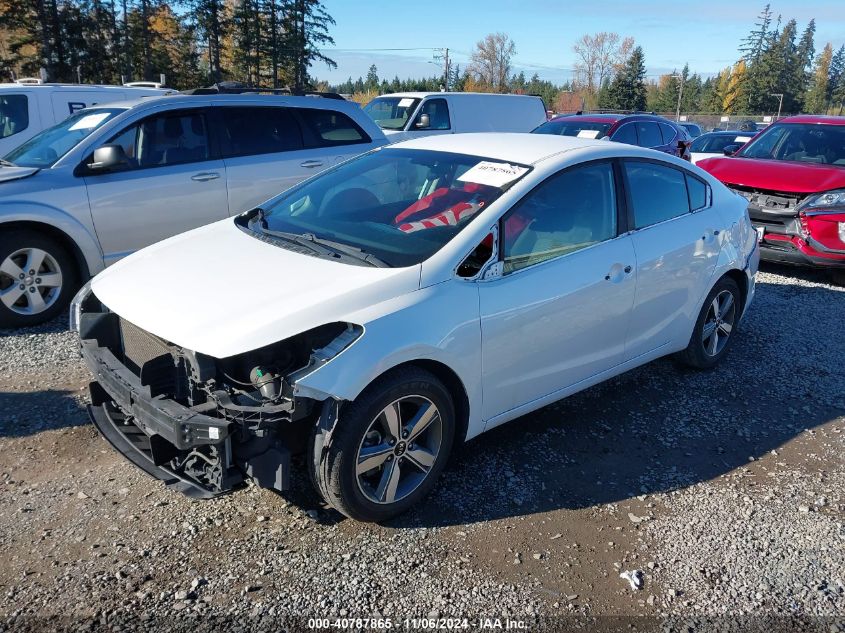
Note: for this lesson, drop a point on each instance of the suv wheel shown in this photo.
(389, 447)
(37, 278)
(716, 326)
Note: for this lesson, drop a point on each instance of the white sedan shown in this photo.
(378, 315)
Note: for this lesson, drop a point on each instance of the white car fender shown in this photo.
(403, 330)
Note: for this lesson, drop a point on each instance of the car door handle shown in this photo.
(310, 164)
(615, 274)
(206, 175)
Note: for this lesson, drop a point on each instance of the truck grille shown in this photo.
(139, 346)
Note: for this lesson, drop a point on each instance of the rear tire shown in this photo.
(38, 277)
(716, 326)
(838, 277)
(402, 427)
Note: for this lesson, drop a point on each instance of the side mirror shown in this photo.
(730, 150)
(108, 157)
(423, 121)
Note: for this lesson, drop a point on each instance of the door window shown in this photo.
(14, 115)
(626, 134)
(166, 139)
(649, 134)
(249, 131)
(328, 128)
(438, 114)
(568, 212)
(658, 192)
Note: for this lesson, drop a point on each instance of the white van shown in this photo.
(28, 108)
(408, 115)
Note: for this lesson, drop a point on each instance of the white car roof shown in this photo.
(524, 148)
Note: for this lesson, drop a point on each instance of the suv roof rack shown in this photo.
(236, 88)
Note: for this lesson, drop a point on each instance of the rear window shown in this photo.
(658, 193)
(669, 133)
(14, 115)
(329, 128)
(250, 131)
(714, 144)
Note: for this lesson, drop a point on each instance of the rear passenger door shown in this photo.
(677, 241)
(268, 149)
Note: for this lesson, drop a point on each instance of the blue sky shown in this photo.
(705, 34)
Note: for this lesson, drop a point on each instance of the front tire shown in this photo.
(37, 278)
(716, 326)
(389, 446)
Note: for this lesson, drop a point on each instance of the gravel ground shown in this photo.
(722, 491)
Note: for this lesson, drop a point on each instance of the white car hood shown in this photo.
(221, 292)
(16, 173)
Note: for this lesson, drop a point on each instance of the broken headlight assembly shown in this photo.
(822, 219)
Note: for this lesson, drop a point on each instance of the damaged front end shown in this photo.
(796, 228)
(200, 424)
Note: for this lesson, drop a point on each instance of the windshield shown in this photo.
(398, 205)
(391, 113)
(574, 127)
(715, 143)
(799, 142)
(45, 148)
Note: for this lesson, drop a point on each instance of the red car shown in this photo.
(793, 176)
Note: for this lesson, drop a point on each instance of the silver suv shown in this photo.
(111, 179)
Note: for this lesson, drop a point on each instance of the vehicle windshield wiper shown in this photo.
(7, 163)
(352, 251)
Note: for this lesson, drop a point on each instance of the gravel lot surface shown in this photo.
(722, 492)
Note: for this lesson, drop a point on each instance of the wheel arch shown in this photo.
(453, 384)
(741, 280)
(83, 266)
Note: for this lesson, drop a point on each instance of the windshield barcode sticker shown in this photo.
(588, 134)
(405, 103)
(493, 174)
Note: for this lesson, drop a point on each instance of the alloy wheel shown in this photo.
(719, 323)
(399, 449)
(30, 281)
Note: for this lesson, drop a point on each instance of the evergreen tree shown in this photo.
(372, 79)
(307, 27)
(836, 81)
(627, 91)
(816, 99)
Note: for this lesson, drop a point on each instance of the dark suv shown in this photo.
(645, 130)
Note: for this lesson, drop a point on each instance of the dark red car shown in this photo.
(645, 130)
(793, 176)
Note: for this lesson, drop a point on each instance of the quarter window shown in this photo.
(14, 115)
(329, 128)
(649, 134)
(570, 211)
(250, 131)
(166, 139)
(697, 193)
(668, 132)
(658, 193)
(438, 114)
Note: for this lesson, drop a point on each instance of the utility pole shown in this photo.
(446, 67)
(780, 103)
(680, 94)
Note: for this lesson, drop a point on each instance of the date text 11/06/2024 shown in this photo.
(417, 623)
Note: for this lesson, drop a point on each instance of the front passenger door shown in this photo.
(172, 183)
(559, 313)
